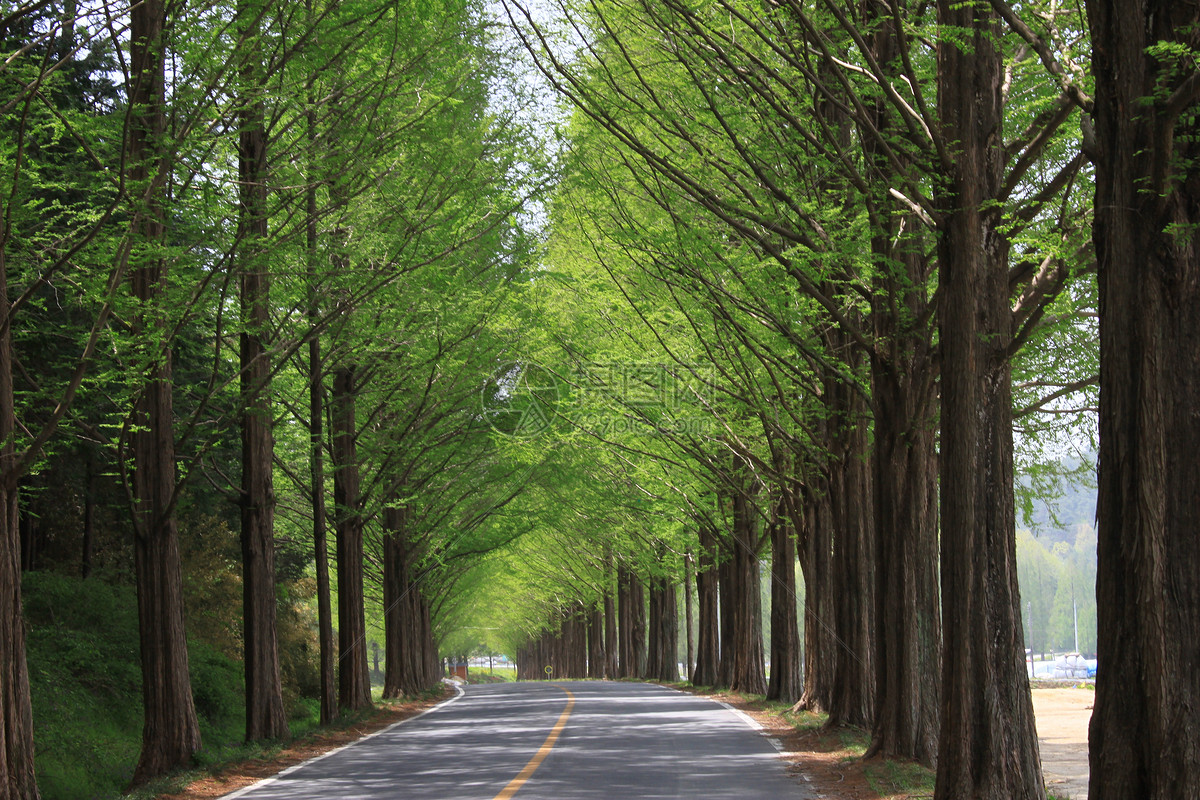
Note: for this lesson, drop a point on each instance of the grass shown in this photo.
(85, 683)
(889, 778)
(497, 674)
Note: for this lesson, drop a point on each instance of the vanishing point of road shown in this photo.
(551, 741)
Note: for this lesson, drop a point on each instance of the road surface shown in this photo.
(551, 741)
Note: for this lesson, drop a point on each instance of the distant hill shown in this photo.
(1052, 504)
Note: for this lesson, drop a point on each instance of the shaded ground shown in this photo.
(561, 740)
(229, 778)
(624, 740)
(828, 761)
(825, 761)
(1062, 717)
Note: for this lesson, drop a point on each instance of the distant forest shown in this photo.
(1056, 565)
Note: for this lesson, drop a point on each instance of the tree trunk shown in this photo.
(654, 650)
(908, 621)
(632, 600)
(708, 644)
(908, 633)
(354, 678)
(17, 778)
(170, 734)
(611, 643)
(396, 639)
(904, 478)
(816, 551)
(637, 632)
(577, 641)
(316, 434)
(662, 663)
(595, 639)
(401, 612)
(689, 630)
(987, 747)
(785, 683)
(425, 663)
(265, 715)
(669, 635)
(316, 444)
(625, 661)
(747, 673)
(852, 561)
(727, 594)
(1145, 729)
(407, 635)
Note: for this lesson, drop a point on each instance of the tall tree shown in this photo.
(171, 733)
(988, 746)
(265, 715)
(903, 373)
(1145, 729)
(315, 368)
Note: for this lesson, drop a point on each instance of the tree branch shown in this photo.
(1039, 45)
(1069, 388)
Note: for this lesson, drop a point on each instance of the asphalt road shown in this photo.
(552, 741)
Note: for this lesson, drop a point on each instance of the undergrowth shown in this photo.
(85, 683)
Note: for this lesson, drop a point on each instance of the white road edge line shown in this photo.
(754, 724)
(746, 718)
(268, 781)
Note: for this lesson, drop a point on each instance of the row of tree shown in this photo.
(254, 258)
(865, 241)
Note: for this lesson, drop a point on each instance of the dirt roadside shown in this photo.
(1062, 717)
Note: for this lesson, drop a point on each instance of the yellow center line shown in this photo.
(543, 751)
